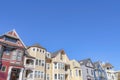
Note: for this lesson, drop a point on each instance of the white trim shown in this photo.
(21, 74)
(9, 72)
(53, 70)
(19, 38)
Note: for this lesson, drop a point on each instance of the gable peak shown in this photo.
(12, 33)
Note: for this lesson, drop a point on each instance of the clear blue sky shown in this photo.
(83, 28)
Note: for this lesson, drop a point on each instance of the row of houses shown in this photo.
(18, 62)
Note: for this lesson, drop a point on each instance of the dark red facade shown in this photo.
(11, 56)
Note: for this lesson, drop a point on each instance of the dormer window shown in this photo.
(10, 39)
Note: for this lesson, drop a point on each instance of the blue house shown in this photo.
(100, 73)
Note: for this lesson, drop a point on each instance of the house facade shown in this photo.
(87, 68)
(48, 66)
(75, 70)
(18, 62)
(29, 67)
(111, 73)
(60, 66)
(100, 73)
(39, 53)
(118, 74)
(12, 52)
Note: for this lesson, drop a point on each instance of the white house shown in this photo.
(87, 68)
(111, 73)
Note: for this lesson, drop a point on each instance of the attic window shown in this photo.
(33, 49)
(37, 49)
(40, 50)
(10, 39)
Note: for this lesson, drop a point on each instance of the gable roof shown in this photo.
(76, 62)
(37, 45)
(54, 54)
(13, 34)
(107, 65)
(85, 61)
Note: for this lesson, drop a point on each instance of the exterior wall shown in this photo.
(49, 71)
(99, 72)
(75, 66)
(39, 55)
(100, 75)
(64, 61)
(29, 67)
(85, 74)
(3, 75)
(111, 75)
(8, 61)
(118, 75)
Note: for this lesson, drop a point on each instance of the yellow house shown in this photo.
(75, 70)
(60, 66)
(29, 64)
(39, 53)
(118, 75)
(48, 66)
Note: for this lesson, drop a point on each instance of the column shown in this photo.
(9, 73)
(34, 63)
(21, 74)
(25, 61)
(33, 74)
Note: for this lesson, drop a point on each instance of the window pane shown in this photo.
(3, 68)
(55, 76)
(36, 61)
(55, 65)
(14, 55)
(19, 56)
(10, 39)
(43, 62)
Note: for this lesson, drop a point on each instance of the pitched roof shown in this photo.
(13, 34)
(84, 61)
(37, 45)
(107, 65)
(54, 54)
